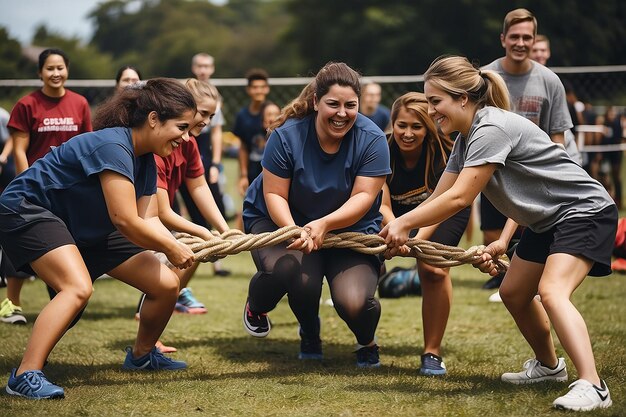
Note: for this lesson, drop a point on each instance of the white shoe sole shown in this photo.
(534, 380)
(604, 404)
(252, 331)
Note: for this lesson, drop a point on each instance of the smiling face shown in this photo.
(258, 90)
(408, 131)
(206, 110)
(518, 41)
(168, 135)
(336, 113)
(447, 111)
(54, 73)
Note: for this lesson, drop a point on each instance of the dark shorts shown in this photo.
(490, 217)
(592, 237)
(31, 242)
(450, 231)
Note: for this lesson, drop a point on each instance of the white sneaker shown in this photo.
(534, 371)
(584, 396)
(495, 297)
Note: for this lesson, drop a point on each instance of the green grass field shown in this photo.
(231, 373)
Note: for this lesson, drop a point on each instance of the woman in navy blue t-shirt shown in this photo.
(88, 208)
(323, 169)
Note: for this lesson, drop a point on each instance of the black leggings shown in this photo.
(352, 278)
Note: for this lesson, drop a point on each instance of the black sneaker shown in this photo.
(256, 324)
(432, 365)
(367, 357)
(493, 282)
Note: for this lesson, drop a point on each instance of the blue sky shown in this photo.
(69, 17)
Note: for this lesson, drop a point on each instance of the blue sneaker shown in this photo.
(151, 361)
(432, 365)
(367, 357)
(187, 303)
(33, 385)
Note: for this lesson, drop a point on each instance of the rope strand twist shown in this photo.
(235, 241)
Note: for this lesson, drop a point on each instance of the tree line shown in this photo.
(296, 37)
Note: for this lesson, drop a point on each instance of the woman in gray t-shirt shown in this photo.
(570, 219)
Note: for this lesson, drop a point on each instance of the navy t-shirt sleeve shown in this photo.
(277, 157)
(375, 159)
(109, 156)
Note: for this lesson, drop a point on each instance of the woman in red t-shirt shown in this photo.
(183, 166)
(49, 116)
(39, 121)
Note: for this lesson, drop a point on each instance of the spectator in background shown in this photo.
(40, 121)
(371, 107)
(270, 112)
(535, 93)
(540, 51)
(249, 128)
(614, 124)
(7, 167)
(210, 146)
(126, 76)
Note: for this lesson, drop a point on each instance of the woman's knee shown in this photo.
(167, 284)
(551, 296)
(511, 298)
(432, 275)
(81, 292)
(352, 308)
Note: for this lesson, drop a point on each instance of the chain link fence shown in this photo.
(599, 86)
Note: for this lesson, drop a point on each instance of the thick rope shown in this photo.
(234, 241)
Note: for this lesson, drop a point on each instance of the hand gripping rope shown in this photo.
(235, 241)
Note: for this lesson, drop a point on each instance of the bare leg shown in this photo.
(14, 288)
(436, 301)
(64, 270)
(563, 273)
(518, 292)
(184, 275)
(144, 272)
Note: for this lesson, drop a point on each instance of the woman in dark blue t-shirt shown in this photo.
(323, 169)
(88, 208)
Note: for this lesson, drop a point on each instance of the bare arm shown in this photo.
(201, 195)
(7, 150)
(129, 217)
(21, 140)
(497, 248)
(385, 206)
(452, 194)
(558, 138)
(215, 135)
(173, 221)
(364, 192)
(276, 194)
(243, 169)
